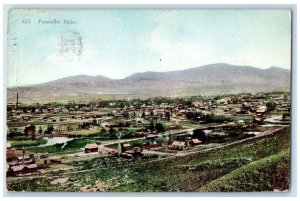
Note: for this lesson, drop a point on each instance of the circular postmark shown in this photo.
(71, 45)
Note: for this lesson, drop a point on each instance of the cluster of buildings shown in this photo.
(182, 145)
(22, 162)
(106, 116)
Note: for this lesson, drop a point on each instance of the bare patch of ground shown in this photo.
(59, 180)
(98, 187)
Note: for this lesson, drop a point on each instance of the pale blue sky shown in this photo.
(118, 43)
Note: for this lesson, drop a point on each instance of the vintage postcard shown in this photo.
(148, 100)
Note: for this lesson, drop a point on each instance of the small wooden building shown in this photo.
(30, 130)
(177, 145)
(195, 142)
(126, 147)
(134, 153)
(26, 159)
(91, 148)
(42, 160)
(24, 169)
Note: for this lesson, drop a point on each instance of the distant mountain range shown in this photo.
(205, 80)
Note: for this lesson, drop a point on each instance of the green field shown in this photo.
(89, 132)
(26, 143)
(35, 122)
(260, 164)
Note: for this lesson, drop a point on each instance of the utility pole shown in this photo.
(23, 155)
(119, 135)
(170, 136)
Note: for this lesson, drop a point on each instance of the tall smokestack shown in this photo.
(17, 99)
(17, 103)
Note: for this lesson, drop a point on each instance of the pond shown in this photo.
(251, 133)
(56, 140)
(276, 120)
(206, 131)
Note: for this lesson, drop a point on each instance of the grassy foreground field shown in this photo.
(261, 171)
(261, 164)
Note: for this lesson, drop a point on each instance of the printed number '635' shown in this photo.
(26, 21)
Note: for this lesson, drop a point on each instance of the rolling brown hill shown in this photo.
(205, 80)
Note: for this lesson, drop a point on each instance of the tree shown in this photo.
(134, 115)
(170, 136)
(151, 126)
(126, 115)
(49, 129)
(160, 127)
(168, 115)
(40, 130)
(69, 128)
(33, 109)
(270, 105)
(111, 130)
(95, 122)
(199, 134)
(190, 115)
(161, 140)
(152, 113)
(207, 118)
(128, 134)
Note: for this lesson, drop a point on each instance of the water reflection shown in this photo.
(56, 140)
